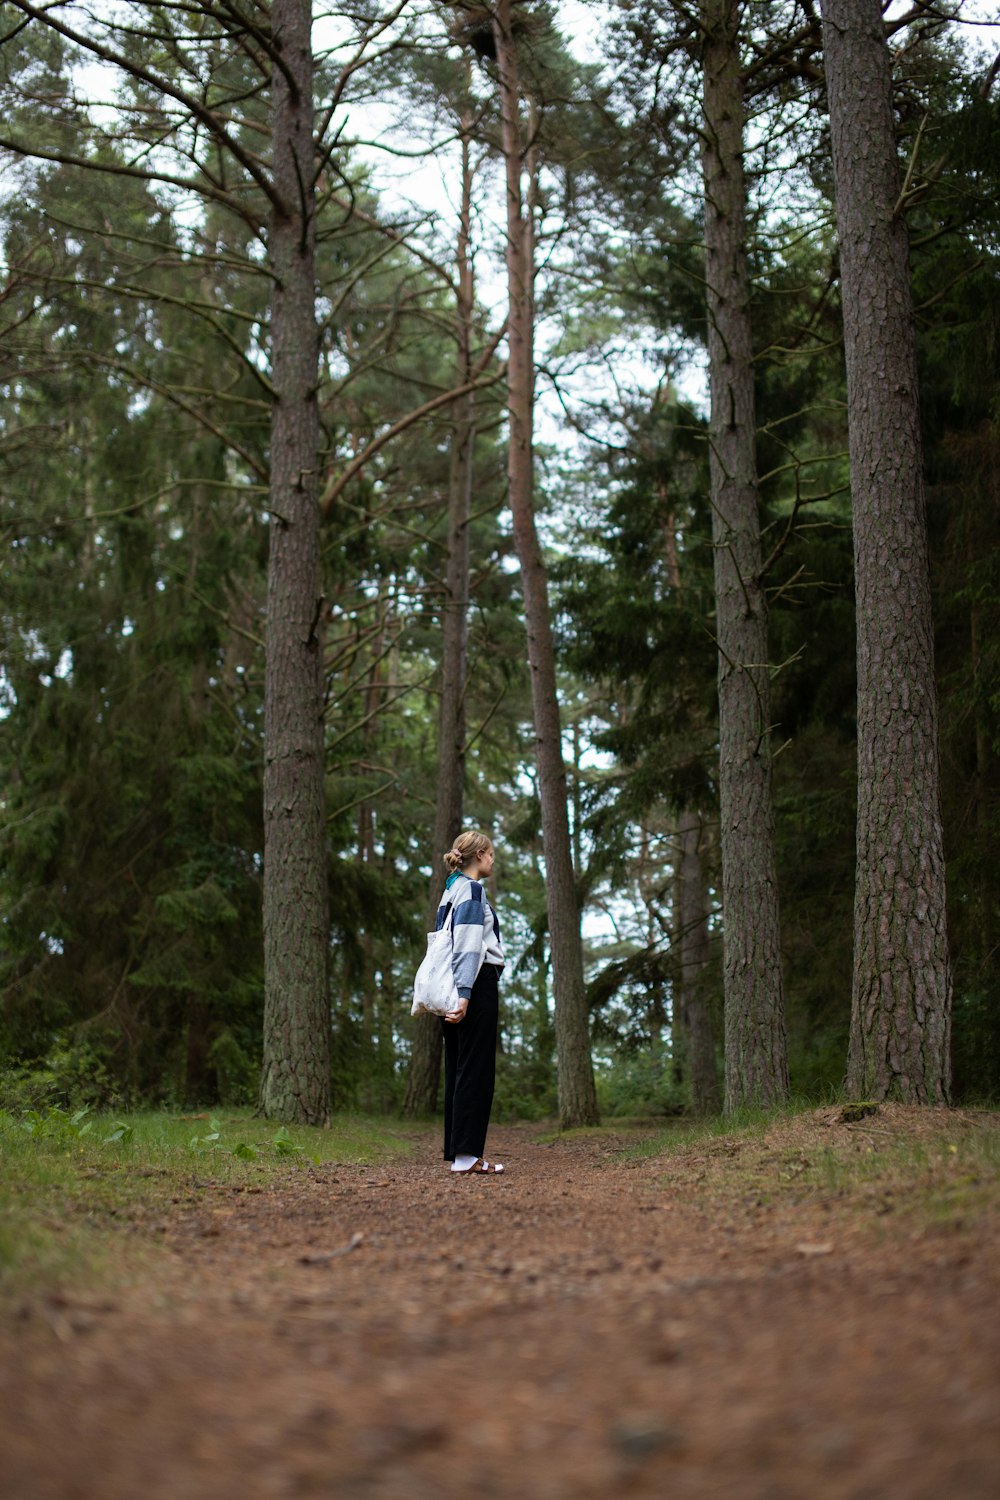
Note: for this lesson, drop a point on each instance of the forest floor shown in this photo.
(808, 1308)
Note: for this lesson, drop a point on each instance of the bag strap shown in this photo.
(450, 917)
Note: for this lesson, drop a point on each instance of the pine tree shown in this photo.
(901, 1003)
(755, 1047)
(577, 1094)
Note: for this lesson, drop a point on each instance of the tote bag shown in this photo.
(434, 992)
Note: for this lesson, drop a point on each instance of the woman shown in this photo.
(470, 1032)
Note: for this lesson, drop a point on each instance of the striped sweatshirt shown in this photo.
(475, 938)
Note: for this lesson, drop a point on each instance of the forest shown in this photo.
(577, 421)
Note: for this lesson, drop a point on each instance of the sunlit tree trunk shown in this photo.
(295, 1081)
(577, 1094)
(755, 1048)
(901, 1004)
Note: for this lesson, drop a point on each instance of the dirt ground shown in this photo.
(590, 1324)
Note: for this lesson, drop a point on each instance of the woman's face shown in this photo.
(486, 860)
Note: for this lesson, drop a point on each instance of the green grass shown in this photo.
(67, 1180)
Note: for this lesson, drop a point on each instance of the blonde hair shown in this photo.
(466, 848)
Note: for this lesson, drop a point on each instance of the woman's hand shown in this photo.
(459, 1014)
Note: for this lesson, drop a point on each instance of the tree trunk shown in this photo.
(987, 868)
(577, 1094)
(371, 702)
(691, 927)
(425, 1060)
(694, 1031)
(295, 1081)
(901, 1003)
(755, 1046)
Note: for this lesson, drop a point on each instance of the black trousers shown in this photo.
(470, 1064)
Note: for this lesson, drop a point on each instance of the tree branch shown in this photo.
(163, 86)
(335, 487)
(144, 174)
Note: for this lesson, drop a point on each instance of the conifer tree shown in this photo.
(129, 887)
(577, 1094)
(901, 1001)
(755, 1047)
(295, 1078)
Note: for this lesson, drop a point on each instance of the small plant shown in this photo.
(55, 1124)
(281, 1143)
(122, 1134)
(284, 1145)
(210, 1142)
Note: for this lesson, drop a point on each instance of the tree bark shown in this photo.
(693, 1030)
(691, 929)
(425, 1060)
(295, 1081)
(901, 1001)
(366, 820)
(755, 1046)
(980, 680)
(577, 1094)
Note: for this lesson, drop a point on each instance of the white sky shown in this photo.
(428, 190)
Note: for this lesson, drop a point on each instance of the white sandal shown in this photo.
(481, 1166)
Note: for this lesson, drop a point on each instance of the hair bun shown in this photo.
(467, 847)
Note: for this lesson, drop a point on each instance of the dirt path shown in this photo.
(588, 1325)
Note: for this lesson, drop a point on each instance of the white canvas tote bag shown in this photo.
(434, 992)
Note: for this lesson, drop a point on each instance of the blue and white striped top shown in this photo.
(475, 930)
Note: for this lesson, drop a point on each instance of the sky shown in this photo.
(421, 190)
(426, 192)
